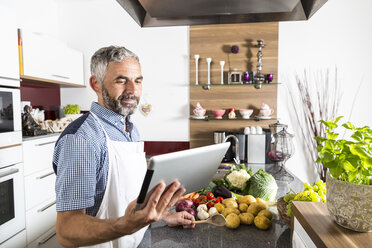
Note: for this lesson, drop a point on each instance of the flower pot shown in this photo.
(350, 204)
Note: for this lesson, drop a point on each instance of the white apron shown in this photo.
(127, 168)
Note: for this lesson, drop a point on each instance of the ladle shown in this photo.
(218, 220)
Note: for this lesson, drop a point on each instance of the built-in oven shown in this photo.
(10, 117)
(12, 199)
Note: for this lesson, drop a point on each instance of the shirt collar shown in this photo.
(111, 117)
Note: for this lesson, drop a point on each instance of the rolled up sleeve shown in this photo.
(75, 159)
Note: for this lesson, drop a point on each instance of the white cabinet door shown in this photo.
(40, 219)
(17, 241)
(46, 57)
(39, 187)
(9, 64)
(37, 54)
(38, 154)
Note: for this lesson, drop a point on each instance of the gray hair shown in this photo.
(101, 59)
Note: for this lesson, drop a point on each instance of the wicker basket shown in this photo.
(282, 209)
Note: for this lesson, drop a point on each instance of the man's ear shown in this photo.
(95, 85)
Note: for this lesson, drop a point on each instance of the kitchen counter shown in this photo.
(205, 235)
(28, 138)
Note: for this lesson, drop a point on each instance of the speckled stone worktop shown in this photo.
(205, 235)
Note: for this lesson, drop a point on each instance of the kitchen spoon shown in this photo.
(218, 220)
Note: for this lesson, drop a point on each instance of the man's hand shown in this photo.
(75, 228)
(158, 205)
(179, 218)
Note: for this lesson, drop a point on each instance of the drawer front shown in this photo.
(38, 155)
(17, 241)
(40, 219)
(46, 240)
(39, 187)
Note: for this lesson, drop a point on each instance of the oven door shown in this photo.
(12, 203)
(10, 117)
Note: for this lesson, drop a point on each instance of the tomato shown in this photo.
(202, 197)
(220, 198)
(216, 200)
(210, 196)
(210, 204)
(196, 202)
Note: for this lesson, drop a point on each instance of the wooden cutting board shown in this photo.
(324, 232)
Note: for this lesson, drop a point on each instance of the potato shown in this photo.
(225, 212)
(233, 221)
(250, 199)
(228, 211)
(262, 203)
(262, 222)
(230, 203)
(219, 207)
(266, 213)
(242, 199)
(254, 208)
(243, 207)
(246, 218)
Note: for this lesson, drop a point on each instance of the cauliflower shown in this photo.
(238, 178)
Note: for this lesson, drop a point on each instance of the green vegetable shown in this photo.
(262, 185)
(349, 161)
(71, 109)
(207, 189)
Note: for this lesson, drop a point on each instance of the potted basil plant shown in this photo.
(349, 178)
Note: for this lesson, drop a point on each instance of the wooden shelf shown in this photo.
(46, 82)
(207, 118)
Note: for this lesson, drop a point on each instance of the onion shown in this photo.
(189, 202)
(183, 204)
(190, 211)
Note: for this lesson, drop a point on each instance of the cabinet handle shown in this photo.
(55, 75)
(46, 207)
(14, 79)
(8, 172)
(46, 143)
(45, 175)
(47, 237)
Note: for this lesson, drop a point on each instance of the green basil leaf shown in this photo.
(320, 139)
(335, 172)
(337, 119)
(360, 151)
(358, 136)
(331, 164)
(367, 163)
(348, 166)
(351, 176)
(348, 125)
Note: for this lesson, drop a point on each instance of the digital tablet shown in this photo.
(193, 168)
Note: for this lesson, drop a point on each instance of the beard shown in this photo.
(117, 105)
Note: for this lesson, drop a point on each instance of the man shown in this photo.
(100, 164)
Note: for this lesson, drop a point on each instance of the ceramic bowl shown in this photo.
(218, 113)
(246, 113)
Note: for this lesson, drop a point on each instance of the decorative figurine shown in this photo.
(196, 56)
(222, 63)
(232, 113)
(29, 125)
(209, 60)
(259, 78)
(269, 78)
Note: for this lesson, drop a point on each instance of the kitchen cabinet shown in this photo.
(49, 60)
(39, 179)
(312, 226)
(18, 240)
(9, 66)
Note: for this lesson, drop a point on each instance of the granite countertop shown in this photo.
(205, 235)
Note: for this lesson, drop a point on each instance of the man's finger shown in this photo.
(167, 196)
(155, 197)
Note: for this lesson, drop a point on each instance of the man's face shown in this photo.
(122, 87)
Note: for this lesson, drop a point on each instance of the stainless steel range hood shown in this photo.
(157, 13)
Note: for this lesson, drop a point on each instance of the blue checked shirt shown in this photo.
(81, 158)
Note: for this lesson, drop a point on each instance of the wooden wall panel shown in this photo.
(215, 41)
